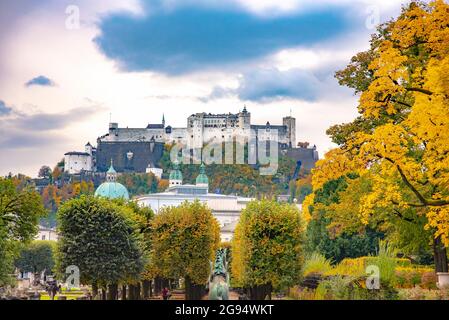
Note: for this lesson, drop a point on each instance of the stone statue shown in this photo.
(219, 277)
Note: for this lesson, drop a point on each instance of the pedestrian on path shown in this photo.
(165, 293)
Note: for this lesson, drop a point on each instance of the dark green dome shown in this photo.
(175, 174)
(202, 177)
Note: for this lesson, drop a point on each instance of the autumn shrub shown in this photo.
(184, 241)
(349, 267)
(351, 288)
(316, 263)
(409, 277)
(299, 293)
(336, 288)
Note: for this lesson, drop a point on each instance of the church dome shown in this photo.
(202, 178)
(111, 189)
(175, 174)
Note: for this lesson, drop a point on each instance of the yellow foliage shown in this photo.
(267, 245)
(184, 241)
(407, 153)
(335, 164)
(308, 201)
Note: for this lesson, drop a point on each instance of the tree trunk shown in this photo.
(193, 291)
(151, 288)
(146, 289)
(103, 293)
(270, 290)
(440, 255)
(261, 292)
(131, 292)
(138, 291)
(124, 292)
(94, 290)
(157, 285)
(112, 291)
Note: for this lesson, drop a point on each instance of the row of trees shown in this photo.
(117, 243)
(392, 162)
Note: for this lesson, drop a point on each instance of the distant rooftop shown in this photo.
(155, 126)
(76, 153)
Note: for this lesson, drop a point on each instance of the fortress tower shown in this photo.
(290, 123)
(244, 121)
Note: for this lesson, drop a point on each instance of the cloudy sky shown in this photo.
(66, 67)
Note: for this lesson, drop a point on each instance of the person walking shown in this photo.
(165, 293)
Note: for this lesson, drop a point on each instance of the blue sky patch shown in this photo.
(4, 109)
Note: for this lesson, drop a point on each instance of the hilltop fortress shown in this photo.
(140, 149)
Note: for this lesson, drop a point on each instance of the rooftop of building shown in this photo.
(174, 193)
(76, 153)
(155, 126)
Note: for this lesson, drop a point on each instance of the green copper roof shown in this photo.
(202, 177)
(111, 169)
(112, 190)
(175, 174)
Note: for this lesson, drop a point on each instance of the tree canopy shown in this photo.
(101, 238)
(399, 144)
(184, 241)
(267, 248)
(20, 210)
(37, 257)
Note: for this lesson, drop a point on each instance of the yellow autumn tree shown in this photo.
(401, 138)
(267, 248)
(184, 240)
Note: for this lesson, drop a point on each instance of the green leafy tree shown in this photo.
(20, 210)
(45, 172)
(143, 217)
(267, 249)
(102, 239)
(335, 244)
(37, 257)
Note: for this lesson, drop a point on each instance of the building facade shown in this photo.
(203, 128)
(75, 162)
(46, 234)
